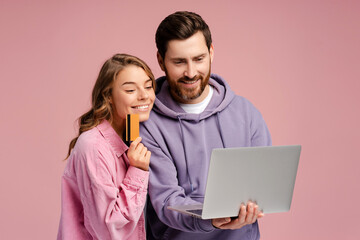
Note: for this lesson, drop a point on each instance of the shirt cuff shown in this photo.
(137, 177)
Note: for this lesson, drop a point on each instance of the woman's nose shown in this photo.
(143, 94)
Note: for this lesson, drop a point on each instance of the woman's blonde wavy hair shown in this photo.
(101, 108)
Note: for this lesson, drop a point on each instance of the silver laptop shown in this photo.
(265, 175)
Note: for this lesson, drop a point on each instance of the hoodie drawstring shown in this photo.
(220, 131)
(186, 159)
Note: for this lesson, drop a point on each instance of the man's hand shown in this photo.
(247, 215)
(138, 155)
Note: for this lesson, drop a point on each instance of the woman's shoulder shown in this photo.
(98, 143)
(89, 137)
(90, 142)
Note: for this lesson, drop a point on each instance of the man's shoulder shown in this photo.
(240, 100)
(241, 106)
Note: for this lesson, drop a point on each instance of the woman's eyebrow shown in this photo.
(126, 83)
(129, 83)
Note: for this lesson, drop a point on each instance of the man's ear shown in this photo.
(211, 51)
(160, 61)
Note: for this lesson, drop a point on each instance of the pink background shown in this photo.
(297, 61)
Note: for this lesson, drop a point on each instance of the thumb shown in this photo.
(225, 220)
(221, 221)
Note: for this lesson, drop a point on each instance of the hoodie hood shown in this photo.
(165, 104)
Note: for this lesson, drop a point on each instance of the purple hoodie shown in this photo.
(181, 145)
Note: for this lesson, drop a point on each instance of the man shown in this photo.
(195, 111)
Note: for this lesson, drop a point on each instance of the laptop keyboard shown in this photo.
(196, 211)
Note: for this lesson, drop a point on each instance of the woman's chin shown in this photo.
(143, 117)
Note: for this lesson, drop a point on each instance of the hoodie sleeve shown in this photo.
(164, 189)
(260, 135)
(109, 209)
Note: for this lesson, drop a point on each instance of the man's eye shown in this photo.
(199, 59)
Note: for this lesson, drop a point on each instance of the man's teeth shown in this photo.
(187, 82)
(142, 107)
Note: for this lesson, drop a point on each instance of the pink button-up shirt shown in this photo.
(103, 197)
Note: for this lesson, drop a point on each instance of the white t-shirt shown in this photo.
(198, 107)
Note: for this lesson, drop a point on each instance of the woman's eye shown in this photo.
(129, 91)
(149, 87)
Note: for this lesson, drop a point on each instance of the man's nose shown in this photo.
(190, 70)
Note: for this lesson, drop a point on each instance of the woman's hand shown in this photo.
(138, 155)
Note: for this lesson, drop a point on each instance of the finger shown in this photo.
(135, 143)
(242, 214)
(250, 212)
(139, 148)
(256, 213)
(143, 151)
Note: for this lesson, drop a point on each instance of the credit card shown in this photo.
(132, 127)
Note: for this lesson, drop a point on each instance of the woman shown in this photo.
(104, 184)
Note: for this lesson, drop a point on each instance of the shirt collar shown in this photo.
(112, 137)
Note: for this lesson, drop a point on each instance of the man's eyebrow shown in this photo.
(182, 59)
(200, 55)
(177, 59)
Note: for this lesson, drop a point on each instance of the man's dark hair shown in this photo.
(180, 26)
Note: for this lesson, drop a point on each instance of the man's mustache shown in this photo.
(187, 79)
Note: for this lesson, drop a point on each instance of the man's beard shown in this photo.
(186, 94)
